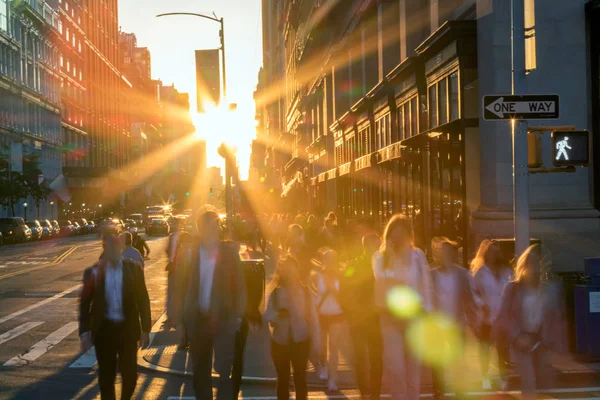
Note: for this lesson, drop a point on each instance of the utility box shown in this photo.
(587, 321)
(591, 269)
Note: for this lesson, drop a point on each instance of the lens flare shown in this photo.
(403, 302)
(435, 339)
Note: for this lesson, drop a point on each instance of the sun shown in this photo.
(221, 124)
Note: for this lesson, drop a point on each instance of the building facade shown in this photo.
(30, 92)
(382, 115)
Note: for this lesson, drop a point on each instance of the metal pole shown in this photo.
(228, 192)
(519, 132)
(222, 37)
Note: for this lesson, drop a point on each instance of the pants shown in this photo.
(332, 329)
(439, 375)
(203, 344)
(297, 355)
(367, 342)
(534, 371)
(114, 347)
(238, 363)
(502, 350)
(402, 369)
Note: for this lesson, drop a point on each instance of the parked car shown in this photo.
(130, 223)
(47, 229)
(158, 226)
(36, 229)
(14, 230)
(66, 228)
(138, 218)
(56, 227)
(91, 226)
(77, 228)
(84, 226)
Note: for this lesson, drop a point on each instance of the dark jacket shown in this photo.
(136, 303)
(228, 298)
(357, 291)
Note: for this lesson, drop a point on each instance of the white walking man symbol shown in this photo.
(562, 147)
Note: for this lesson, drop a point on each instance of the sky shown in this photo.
(172, 41)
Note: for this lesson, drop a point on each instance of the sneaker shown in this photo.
(323, 375)
(331, 386)
(486, 384)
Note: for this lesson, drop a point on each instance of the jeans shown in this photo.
(368, 351)
(297, 355)
(238, 363)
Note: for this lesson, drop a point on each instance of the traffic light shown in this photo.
(187, 193)
(570, 148)
(211, 191)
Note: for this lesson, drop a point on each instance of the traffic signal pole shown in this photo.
(519, 132)
(222, 38)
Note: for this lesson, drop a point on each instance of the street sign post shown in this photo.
(508, 107)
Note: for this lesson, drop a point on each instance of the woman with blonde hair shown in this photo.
(400, 265)
(490, 276)
(530, 320)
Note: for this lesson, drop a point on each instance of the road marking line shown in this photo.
(42, 347)
(39, 304)
(87, 360)
(57, 261)
(19, 330)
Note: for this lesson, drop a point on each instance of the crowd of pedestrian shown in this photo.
(401, 309)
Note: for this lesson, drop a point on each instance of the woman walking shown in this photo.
(400, 265)
(331, 317)
(530, 320)
(490, 276)
(292, 316)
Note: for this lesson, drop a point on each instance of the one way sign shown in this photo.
(535, 106)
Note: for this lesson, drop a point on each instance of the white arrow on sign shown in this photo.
(500, 107)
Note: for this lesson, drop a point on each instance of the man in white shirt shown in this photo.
(214, 303)
(110, 320)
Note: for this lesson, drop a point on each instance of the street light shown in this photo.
(221, 37)
(25, 210)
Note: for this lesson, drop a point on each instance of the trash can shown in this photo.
(569, 280)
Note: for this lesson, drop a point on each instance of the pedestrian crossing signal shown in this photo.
(570, 148)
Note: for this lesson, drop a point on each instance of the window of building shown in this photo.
(67, 5)
(383, 132)
(74, 40)
(62, 61)
(530, 51)
(364, 136)
(4, 15)
(68, 35)
(60, 26)
(406, 114)
(444, 101)
(453, 89)
(68, 66)
(80, 46)
(80, 76)
(433, 121)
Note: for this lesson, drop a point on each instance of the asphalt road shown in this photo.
(39, 345)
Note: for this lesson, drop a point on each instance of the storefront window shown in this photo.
(453, 89)
(3, 15)
(400, 119)
(414, 116)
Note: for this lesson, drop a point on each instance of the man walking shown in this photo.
(114, 301)
(129, 251)
(214, 303)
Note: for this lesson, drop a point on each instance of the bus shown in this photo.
(157, 212)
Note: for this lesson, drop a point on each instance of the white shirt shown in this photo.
(488, 289)
(207, 273)
(113, 283)
(532, 309)
(328, 301)
(447, 288)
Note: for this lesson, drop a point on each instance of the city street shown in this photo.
(39, 345)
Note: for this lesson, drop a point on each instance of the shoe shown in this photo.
(486, 384)
(331, 386)
(503, 385)
(323, 375)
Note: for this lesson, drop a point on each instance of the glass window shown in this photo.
(400, 119)
(407, 119)
(453, 89)
(443, 102)
(433, 121)
(4, 15)
(414, 117)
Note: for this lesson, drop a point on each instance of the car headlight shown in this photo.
(10, 232)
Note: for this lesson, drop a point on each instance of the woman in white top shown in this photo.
(490, 275)
(531, 320)
(331, 317)
(292, 316)
(399, 264)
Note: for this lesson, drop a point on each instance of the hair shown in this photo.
(127, 238)
(396, 221)
(295, 229)
(185, 238)
(523, 263)
(481, 258)
(205, 214)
